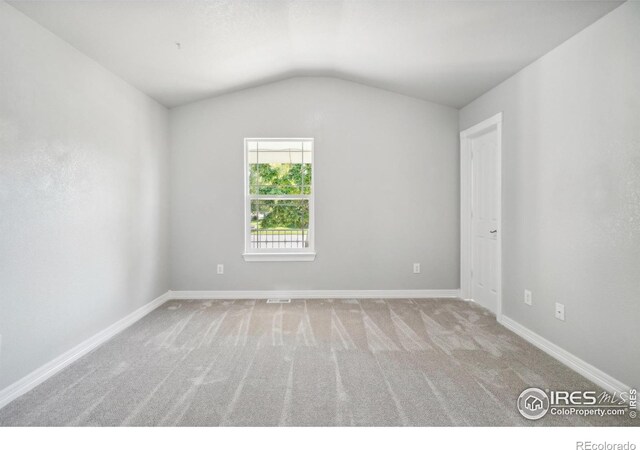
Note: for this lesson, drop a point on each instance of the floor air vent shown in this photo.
(279, 300)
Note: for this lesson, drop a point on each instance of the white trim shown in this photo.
(249, 253)
(465, 205)
(482, 126)
(233, 295)
(43, 373)
(282, 257)
(585, 369)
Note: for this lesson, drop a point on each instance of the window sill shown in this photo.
(278, 257)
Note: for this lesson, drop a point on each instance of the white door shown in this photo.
(485, 217)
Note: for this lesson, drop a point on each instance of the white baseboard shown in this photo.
(585, 369)
(232, 295)
(25, 384)
(46, 371)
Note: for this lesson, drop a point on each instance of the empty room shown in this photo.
(321, 213)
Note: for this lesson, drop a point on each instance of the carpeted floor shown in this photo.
(310, 362)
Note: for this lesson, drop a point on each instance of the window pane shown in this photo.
(280, 179)
(279, 223)
(279, 167)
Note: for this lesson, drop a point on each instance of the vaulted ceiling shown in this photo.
(449, 52)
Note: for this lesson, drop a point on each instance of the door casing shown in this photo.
(466, 243)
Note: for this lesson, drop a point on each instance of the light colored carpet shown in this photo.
(311, 362)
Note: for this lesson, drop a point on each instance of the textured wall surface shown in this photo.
(571, 192)
(83, 197)
(386, 181)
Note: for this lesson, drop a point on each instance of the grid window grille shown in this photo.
(279, 195)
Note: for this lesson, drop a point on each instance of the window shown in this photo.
(279, 199)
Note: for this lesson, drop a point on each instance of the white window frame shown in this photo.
(275, 254)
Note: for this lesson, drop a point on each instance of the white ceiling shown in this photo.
(448, 52)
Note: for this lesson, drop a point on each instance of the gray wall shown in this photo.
(83, 197)
(571, 192)
(386, 188)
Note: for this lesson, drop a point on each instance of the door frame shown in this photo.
(466, 236)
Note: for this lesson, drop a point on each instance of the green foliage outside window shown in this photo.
(280, 179)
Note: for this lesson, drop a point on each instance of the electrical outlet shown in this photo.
(220, 269)
(560, 311)
(527, 297)
(416, 267)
